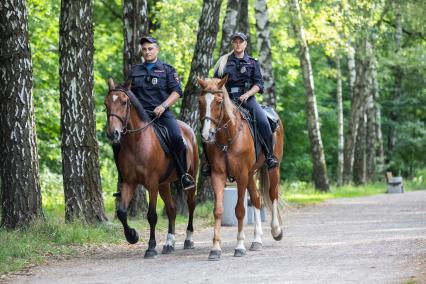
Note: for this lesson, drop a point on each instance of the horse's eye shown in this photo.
(124, 103)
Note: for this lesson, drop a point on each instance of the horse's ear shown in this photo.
(202, 83)
(111, 84)
(128, 84)
(223, 81)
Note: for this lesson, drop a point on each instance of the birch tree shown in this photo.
(80, 164)
(19, 167)
(229, 25)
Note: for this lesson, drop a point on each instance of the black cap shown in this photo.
(148, 39)
(240, 35)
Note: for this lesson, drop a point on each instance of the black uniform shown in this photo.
(152, 86)
(243, 74)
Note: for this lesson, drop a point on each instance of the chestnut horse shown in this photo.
(141, 160)
(230, 150)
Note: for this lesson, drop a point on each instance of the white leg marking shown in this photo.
(207, 122)
(114, 98)
(240, 241)
(170, 241)
(188, 235)
(257, 226)
(275, 224)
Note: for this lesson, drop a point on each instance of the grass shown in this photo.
(304, 193)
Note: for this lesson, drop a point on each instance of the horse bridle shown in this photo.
(125, 121)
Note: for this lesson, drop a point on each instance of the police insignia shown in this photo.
(176, 77)
(243, 69)
(154, 81)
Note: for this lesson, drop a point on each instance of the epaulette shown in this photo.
(252, 58)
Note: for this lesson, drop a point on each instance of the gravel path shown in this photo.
(378, 239)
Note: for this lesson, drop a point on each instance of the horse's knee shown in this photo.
(218, 212)
(152, 215)
(240, 212)
(121, 215)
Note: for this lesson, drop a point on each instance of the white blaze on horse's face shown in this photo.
(205, 133)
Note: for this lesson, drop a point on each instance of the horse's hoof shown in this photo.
(132, 236)
(150, 253)
(215, 255)
(188, 244)
(256, 246)
(168, 250)
(279, 237)
(239, 252)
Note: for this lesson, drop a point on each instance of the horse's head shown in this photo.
(117, 104)
(211, 106)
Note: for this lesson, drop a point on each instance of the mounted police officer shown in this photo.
(244, 81)
(157, 86)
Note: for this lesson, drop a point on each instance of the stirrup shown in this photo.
(187, 182)
(271, 162)
(206, 170)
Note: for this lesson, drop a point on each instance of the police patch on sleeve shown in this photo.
(175, 75)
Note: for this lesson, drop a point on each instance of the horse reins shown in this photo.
(125, 121)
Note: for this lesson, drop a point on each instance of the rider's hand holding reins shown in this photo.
(159, 110)
(244, 97)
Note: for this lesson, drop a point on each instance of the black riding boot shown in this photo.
(271, 161)
(186, 180)
(206, 169)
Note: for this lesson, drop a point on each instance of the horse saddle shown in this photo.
(273, 120)
(163, 137)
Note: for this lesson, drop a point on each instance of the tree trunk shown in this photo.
(357, 102)
(378, 124)
(19, 168)
(243, 24)
(265, 54)
(340, 138)
(351, 68)
(398, 82)
(135, 25)
(359, 176)
(80, 164)
(229, 25)
(319, 173)
(201, 63)
(371, 137)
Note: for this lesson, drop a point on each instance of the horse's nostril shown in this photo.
(116, 134)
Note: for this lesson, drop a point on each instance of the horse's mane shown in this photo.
(227, 102)
(219, 67)
(143, 115)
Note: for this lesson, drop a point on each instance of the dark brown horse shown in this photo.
(141, 160)
(231, 151)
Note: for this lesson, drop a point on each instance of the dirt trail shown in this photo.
(378, 239)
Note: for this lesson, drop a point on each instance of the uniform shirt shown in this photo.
(241, 71)
(153, 87)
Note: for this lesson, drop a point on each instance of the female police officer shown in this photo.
(157, 86)
(244, 81)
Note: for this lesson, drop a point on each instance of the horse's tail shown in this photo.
(264, 185)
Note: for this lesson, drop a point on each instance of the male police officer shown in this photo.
(157, 86)
(244, 81)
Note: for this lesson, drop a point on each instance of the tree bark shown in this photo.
(380, 165)
(340, 123)
(319, 173)
(80, 164)
(229, 25)
(351, 68)
(357, 102)
(201, 63)
(360, 161)
(265, 53)
(19, 168)
(398, 82)
(135, 25)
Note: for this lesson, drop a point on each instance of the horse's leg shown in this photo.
(240, 212)
(169, 246)
(127, 192)
(274, 177)
(189, 243)
(152, 220)
(255, 202)
(218, 183)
